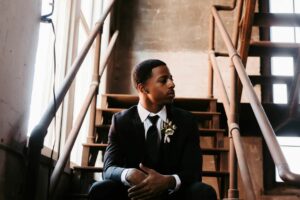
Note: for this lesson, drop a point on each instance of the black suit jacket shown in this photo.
(126, 148)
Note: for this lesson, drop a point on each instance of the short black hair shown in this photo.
(143, 71)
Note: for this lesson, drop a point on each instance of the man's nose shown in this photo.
(171, 83)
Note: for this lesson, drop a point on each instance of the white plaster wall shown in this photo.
(19, 23)
(190, 71)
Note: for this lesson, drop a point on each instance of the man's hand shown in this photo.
(152, 186)
(135, 176)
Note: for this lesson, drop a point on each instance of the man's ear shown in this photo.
(141, 88)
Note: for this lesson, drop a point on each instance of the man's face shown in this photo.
(160, 86)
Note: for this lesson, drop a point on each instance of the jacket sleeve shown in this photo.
(113, 158)
(191, 163)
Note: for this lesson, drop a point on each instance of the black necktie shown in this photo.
(152, 142)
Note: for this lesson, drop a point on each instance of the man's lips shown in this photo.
(171, 93)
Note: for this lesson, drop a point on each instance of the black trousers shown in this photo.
(110, 190)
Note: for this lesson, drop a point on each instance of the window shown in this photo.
(284, 66)
(42, 91)
(291, 150)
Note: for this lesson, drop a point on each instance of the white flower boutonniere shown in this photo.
(168, 130)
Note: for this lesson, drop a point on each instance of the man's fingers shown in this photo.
(145, 169)
(137, 187)
(138, 192)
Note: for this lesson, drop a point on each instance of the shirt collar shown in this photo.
(144, 113)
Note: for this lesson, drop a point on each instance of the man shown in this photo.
(153, 150)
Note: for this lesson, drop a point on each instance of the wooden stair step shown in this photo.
(267, 48)
(196, 113)
(126, 101)
(215, 174)
(276, 19)
(214, 151)
(210, 132)
(258, 79)
(88, 169)
(205, 151)
(100, 146)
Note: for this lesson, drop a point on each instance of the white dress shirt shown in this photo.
(143, 114)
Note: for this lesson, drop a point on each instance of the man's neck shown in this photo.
(151, 107)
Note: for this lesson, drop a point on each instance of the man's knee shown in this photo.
(107, 190)
(201, 191)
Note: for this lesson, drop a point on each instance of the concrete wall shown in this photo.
(174, 31)
(18, 41)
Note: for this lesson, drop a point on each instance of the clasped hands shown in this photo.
(146, 183)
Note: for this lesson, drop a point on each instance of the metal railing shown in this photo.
(238, 73)
(38, 134)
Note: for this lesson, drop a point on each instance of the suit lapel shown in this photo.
(139, 131)
(167, 147)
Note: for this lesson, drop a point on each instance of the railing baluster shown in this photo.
(63, 159)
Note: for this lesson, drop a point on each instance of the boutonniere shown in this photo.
(168, 130)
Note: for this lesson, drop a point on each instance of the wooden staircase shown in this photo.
(213, 142)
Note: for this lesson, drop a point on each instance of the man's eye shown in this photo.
(163, 80)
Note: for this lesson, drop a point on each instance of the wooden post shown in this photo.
(210, 68)
(93, 107)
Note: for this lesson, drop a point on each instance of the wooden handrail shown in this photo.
(38, 134)
(63, 159)
(262, 119)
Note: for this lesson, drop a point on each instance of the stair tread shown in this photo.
(215, 173)
(211, 130)
(268, 48)
(105, 145)
(128, 100)
(210, 150)
(269, 80)
(203, 131)
(129, 97)
(115, 110)
(88, 168)
(276, 19)
(107, 126)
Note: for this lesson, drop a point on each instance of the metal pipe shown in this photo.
(235, 134)
(210, 68)
(63, 159)
(233, 191)
(95, 77)
(262, 119)
(224, 96)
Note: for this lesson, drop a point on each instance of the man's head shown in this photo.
(154, 82)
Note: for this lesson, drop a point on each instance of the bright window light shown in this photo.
(280, 93)
(282, 66)
(280, 6)
(282, 34)
(42, 80)
(291, 150)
